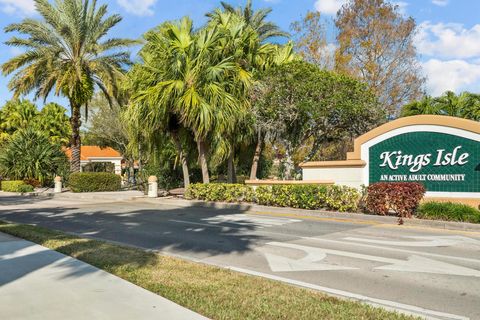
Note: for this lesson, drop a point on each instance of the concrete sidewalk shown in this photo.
(38, 283)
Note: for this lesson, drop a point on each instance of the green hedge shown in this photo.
(15, 186)
(94, 182)
(448, 211)
(220, 192)
(337, 198)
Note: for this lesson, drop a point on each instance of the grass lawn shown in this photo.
(213, 292)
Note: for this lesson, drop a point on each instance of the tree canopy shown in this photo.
(375, 44)
(299, 105)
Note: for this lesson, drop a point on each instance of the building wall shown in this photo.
(352, 177)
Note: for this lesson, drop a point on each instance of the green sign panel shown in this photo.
(442, 162)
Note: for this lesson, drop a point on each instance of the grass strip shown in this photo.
(211, 291)
(448, 211)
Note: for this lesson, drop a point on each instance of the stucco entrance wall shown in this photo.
(441, 152)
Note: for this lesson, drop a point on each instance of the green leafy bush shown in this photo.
(220, 192)
(403, 198)
(448, 211)
(94, 182)
(15, 186)
(336, 198)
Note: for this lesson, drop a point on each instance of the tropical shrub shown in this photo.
(220, 192)
(448, 211)
(338, 198)
(94, 182)
(15, 186)
(29, 154)
(402, 198)
(33, 182)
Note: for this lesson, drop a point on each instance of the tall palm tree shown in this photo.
(66, 52)
(255, 19)
(194, 81)
(242, 42)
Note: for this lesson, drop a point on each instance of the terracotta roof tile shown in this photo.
(87, 152)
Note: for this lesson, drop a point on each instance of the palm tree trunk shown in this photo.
(202, 160)
(231, 174)
(183, 158)
(75, 140)
(256, 158)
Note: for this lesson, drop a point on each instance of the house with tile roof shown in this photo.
(92, 154)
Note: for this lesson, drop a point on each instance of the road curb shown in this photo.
(328, 215)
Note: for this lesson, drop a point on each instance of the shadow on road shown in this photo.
(202, 230)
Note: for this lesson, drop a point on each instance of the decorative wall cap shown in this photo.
(285, 182)
(334, 164)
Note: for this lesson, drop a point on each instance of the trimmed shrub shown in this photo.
(337, 198)
(94, 182)
(220, 192)
(16, 186)
(402, 198)
(448, 211)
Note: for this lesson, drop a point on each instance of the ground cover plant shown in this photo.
(211, 291)
(448, 211)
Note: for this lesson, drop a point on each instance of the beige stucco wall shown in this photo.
(352, 177)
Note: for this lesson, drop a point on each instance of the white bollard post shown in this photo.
(58, 184)
(152, 187)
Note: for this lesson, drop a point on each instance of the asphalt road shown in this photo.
(434, 273)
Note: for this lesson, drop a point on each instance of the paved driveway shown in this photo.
(422, 271)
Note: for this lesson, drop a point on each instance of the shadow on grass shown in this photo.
(20, 258)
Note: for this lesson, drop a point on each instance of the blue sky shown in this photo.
(448, 38)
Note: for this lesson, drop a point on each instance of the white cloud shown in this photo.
(24, 7)
(138, 7)
(441, 3)
(330, 7)
(448, 40)
(454, 75)
(402, 7)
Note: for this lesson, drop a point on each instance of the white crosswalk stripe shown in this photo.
(243, 219)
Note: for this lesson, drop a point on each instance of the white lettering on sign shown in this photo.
(422, 177)
(396, 159)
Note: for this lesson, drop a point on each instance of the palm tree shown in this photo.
(465, 105)
(66, 52)
(194, 81)
(425, 106)
(255, 19)
(242, 40)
